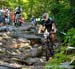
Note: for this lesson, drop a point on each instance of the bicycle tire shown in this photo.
(47, 51)
(47, 54)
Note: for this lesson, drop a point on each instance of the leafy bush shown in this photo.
(70, 37)
(59, 58)
(56, 61)
(54, 8)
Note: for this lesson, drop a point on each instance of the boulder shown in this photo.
(35, 46)
(3, 28)
(33, 52)
(22, 42)
(3, 67)
(10, 66)
(9, 43)
(26, 36)
(36, 61)
(70, 50)
(1, 38)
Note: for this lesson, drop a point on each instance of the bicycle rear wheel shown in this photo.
(47, 54)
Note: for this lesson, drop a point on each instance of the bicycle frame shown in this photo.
(49, 48)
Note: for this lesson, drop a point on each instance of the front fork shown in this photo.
(49, 48)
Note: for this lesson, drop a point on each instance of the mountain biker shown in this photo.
(33, 21)
(20, 20)
(18, 11)
(12, 17)
(49, 25)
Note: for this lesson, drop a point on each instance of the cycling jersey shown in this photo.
(47, 24)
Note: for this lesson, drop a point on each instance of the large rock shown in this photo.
(70, 50)
(25, 45)
(4, 35)
(33, 67)
(16, 43)
(7, 28)
(1, 41)
(12, 28)
(36, 61)
(4, 28)
(35, 46)
(27, 36)
(10, 43)
(36, 51)
(2, 50)
(25, 27)
(10, 66)
(3, 67)
(33, 60)
(1, 38)
(22, 42)
(1, 34)
(33, 52)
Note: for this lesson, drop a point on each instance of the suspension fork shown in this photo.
(50, 41)
(47, 50)
(50, 46)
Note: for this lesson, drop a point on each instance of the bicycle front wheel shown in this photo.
(47, 54)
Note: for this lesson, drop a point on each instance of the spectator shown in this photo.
(33, 21)
(12, 17)
(17, 13)
(20, 20)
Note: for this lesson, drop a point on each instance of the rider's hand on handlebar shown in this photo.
(52, 31)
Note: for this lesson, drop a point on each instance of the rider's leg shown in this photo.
(52, 38)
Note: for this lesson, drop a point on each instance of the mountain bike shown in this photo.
(48, 46)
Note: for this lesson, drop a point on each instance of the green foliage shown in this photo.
(70, 37)
(54, 8)
(58, 59)
(72, 3)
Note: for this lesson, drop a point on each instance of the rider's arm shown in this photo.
(53, 27)
(41, 26)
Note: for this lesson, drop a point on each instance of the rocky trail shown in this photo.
(20, 49)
